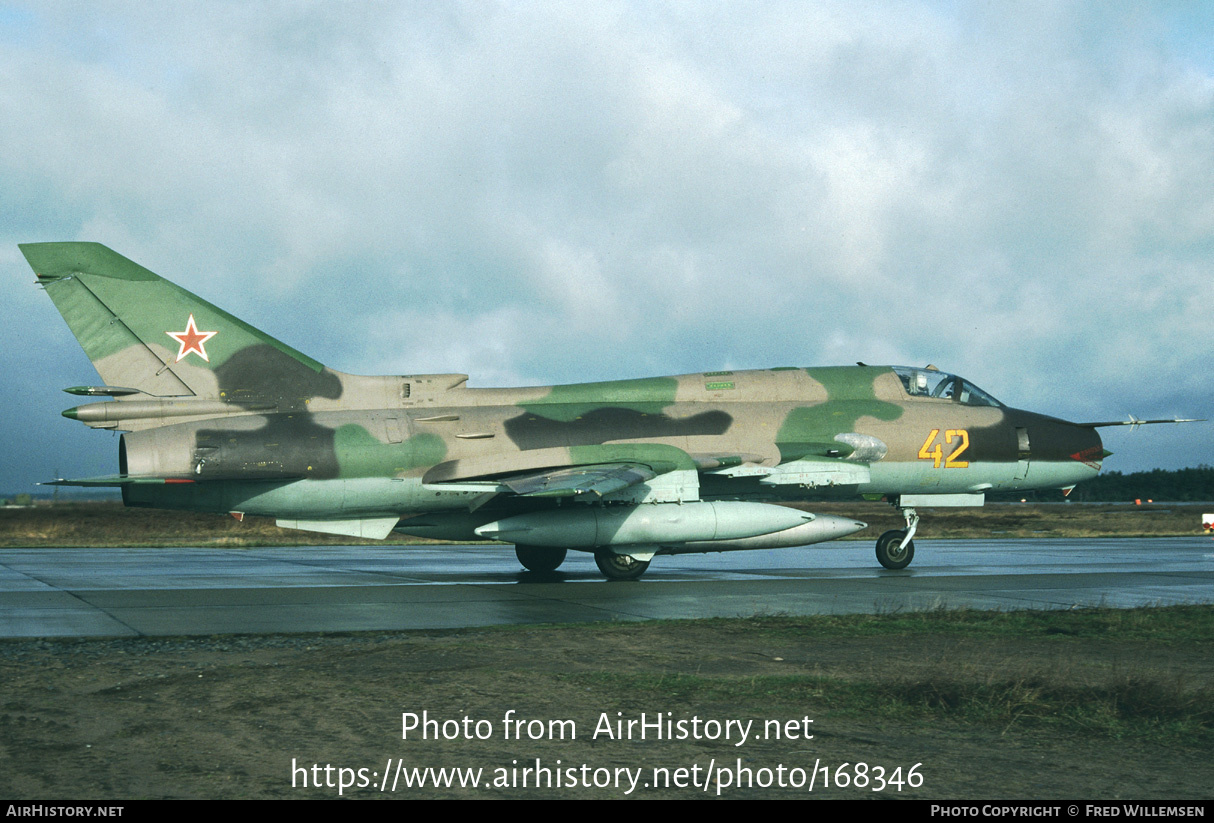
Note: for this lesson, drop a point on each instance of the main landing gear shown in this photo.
(540, 558)
(896, 548)
(620, 566)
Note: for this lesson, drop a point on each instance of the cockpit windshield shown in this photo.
(931, 382)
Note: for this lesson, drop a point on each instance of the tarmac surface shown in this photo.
(168, 592)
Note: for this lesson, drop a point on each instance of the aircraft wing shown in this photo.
(565, 481)
(560, 472)
(579, 480)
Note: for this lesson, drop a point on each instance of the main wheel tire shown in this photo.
(888, 553)
(540, 558)
(620, 566)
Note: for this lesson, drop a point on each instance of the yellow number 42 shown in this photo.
(936, 454)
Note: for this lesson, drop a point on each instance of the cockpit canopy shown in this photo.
(931, 382)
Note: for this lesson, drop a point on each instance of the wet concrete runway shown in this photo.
(128, 592)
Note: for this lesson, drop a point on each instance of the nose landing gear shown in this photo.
(896, 548)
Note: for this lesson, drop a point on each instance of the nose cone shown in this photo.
(1061, 453)
(1088, 454)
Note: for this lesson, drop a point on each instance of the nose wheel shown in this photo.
(896, 548)
(891, 553)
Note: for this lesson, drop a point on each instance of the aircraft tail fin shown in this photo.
(143, 332)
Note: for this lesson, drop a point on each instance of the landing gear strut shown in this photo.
(896, 548)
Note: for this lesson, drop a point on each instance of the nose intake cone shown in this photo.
(1060, 453)
(1090, 452)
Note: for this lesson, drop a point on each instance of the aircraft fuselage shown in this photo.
(219, 416)
(850, 430)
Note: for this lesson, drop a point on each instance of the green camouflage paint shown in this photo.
(850, 396)
(361, 454)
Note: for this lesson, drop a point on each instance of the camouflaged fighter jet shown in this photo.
(220, 417)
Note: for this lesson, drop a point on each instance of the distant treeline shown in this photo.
(1180, 485)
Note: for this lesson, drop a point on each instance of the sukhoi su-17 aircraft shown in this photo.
(220, 417)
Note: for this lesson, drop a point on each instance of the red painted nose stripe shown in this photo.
(1089, 457)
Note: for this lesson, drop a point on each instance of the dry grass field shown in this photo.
(1098, 704)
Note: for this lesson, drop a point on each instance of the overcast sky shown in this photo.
(534, 193)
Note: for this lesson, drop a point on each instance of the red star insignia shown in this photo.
(192, 340)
